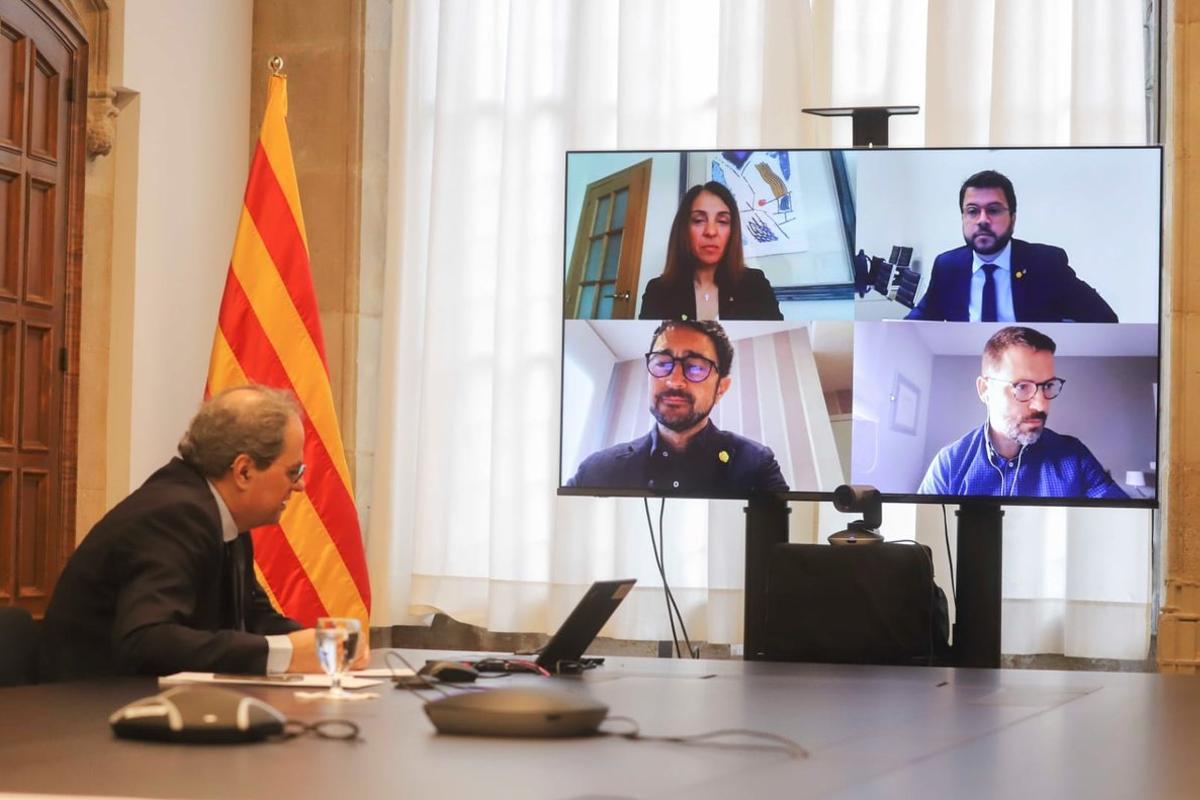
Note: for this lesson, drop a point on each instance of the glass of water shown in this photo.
(337, 642)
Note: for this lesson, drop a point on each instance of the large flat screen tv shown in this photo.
(943, 324)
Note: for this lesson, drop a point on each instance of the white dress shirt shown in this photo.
(279, 647)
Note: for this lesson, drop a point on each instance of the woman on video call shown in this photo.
(705, 276)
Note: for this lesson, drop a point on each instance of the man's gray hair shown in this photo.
(247, 419)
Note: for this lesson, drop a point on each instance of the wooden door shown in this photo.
(606, 262)
(43, 61)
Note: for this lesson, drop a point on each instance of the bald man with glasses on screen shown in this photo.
(1014, 454)
(996, 278)
(685, 453)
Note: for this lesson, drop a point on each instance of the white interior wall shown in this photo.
(880, 452)
(188, 62)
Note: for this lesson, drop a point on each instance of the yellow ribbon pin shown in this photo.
(723, 456)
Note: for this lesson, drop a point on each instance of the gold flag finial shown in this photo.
(276, 65)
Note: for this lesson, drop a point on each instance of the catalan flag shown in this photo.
(269, 332)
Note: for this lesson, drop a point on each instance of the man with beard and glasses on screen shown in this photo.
(996, 278)
(685, 453)
(1014, 454)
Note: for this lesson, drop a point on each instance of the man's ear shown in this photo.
(981, 386)
(722, 387)
(241, 470)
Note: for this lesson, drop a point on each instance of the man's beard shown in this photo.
(1012, 429)
(999, 242)
(677, 423)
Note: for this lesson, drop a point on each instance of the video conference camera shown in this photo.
(864, 500)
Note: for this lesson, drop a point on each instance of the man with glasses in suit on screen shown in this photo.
(685, 453)
(996, 278)
(1014, 454)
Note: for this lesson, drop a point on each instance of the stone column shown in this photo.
(321, 44)
(1179, 623)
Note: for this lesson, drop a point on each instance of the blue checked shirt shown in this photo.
(1053, 466)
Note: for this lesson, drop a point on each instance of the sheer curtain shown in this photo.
(485, 100)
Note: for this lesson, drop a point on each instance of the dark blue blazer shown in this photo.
(1044, 288)
(715, 463)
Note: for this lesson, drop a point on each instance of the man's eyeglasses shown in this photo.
(1023, 391)
(297, 472)
(993, 211)
(695, 368)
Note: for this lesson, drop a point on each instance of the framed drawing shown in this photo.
(767, 191)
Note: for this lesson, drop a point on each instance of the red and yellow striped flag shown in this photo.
(269, 332)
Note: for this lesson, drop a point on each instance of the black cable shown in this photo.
(790, 746)
(949, 558)
(662, 573)
(660, 554)
(414, 683)
(662, 504)
(335, 729)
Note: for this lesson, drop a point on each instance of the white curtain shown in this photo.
(485, 99)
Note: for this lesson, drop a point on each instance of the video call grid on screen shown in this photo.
(844, 389)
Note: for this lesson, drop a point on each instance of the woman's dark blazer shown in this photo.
(752, 298)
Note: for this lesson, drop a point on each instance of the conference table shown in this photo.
(870, 732)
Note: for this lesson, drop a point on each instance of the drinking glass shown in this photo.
(337, 642)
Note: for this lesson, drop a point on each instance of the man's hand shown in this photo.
(304, 651)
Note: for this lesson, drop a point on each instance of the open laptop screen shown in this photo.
(580, 627)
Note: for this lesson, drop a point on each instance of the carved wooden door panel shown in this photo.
(42, 57)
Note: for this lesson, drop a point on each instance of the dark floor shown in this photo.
(448, 634)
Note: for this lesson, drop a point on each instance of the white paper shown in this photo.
(289, 681)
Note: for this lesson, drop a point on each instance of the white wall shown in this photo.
(587, 373)
(189, 63)
(1101, 206)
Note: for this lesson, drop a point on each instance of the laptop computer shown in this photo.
(564, 651)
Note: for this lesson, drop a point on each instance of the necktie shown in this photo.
(988, 310)
(235, 566)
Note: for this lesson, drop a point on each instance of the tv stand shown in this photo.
(977, 616)
(977, 625)
(766, 526)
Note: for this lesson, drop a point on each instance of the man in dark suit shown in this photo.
(164, 582)
(689, 363)
(996, 278)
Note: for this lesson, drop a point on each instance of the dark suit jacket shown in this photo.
(144, 593)
(1047, 289)
(752, 298)
(745, 467)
